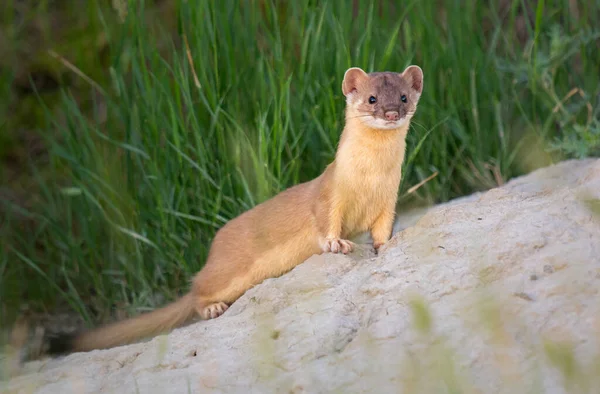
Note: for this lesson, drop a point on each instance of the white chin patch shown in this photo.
(378, 123)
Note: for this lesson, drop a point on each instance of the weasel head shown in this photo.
(382, 100)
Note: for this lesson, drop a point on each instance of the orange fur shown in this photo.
(357, 192)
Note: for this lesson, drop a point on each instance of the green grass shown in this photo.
(142, 171)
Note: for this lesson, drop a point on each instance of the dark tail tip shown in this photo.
(60, 344)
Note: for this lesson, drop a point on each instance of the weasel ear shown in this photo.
(352, 78)
(414, 76)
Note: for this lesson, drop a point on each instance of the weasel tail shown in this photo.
(127, 331)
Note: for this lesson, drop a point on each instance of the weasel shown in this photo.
(357, 192)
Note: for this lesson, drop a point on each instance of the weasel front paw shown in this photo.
(336, 245)
(377, 245)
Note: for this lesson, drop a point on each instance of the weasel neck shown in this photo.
(356, 134)
(363, 149)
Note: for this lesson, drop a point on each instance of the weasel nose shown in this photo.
(391, 115)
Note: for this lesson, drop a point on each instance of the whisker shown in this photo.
(419, 124)
(411, 113)
(360, 116)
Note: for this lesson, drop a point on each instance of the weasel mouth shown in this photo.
(378, 122)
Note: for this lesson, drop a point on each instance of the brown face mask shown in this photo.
(383, 100)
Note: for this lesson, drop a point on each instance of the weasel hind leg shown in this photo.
(211, 311)
(215, 293)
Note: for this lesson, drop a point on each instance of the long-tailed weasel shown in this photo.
(357, 192)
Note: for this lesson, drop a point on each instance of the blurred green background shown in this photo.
(131, 131)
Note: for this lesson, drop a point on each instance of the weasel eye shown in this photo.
(372, 100)
(403, 98)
